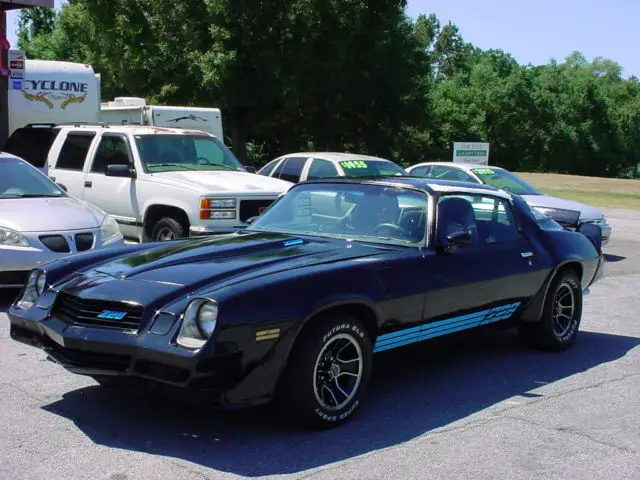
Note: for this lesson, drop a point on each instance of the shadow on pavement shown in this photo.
(7, 296)
(613, 258)
(413, 391)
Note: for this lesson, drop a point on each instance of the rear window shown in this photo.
(32, 144)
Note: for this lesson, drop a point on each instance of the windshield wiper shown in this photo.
(32, 195)
(170, 165)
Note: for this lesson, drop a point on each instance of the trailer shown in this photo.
(134, 110)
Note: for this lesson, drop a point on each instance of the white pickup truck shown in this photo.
(158, 183)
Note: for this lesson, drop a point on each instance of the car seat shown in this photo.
(455, 214)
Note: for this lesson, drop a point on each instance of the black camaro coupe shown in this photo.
(293, 307)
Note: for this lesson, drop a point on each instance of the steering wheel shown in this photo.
(391, 226)
(204, 161)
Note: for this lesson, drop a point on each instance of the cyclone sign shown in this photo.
(55, 93)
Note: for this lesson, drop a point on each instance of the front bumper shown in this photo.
(108, 352)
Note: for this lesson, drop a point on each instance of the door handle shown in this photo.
(88, 184)
(526, 254)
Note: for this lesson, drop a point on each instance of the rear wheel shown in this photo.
(167, 229)
(327, 372)
(561, 316)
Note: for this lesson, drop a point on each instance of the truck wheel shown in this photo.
(558, 327)
(327, 372)
(166, 229)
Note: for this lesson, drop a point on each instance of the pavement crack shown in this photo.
(571, 431)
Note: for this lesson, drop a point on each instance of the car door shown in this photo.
(68, 169)
(488, 278)
(116, 195)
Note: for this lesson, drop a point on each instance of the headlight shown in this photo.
(35, 286)
(109, 229)
(198, 323)
(12, 238)
(210, 208)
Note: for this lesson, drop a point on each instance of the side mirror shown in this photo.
(456, 238)
(250, 168)
(120, 171)
(63, 187)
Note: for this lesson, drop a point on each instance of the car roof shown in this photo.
(9, 156)
(461, 166)
(134, 129)
(427, 185)
(335, 156)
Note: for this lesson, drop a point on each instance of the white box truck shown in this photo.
(54, 92)
(134, 110)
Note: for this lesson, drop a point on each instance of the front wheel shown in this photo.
(561, 316)
(167, 229)
(327, 372)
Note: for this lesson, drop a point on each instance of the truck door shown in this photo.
(67, 162)
(117, 195)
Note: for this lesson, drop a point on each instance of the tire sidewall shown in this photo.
(308, 405)
(569, 336)
(174, 225)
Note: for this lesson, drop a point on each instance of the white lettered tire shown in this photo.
(328, 372)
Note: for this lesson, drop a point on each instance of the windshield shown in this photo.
(178, 152)
(18, 179)
(505, 180)
(371, 168)
(371, 213)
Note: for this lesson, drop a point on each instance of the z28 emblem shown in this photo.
(112, 315)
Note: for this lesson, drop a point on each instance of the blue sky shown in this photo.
(533, 31)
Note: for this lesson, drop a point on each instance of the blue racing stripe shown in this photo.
(443, 327)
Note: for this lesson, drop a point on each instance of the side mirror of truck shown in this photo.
(120, 171)
(63, 187)
(250, 168)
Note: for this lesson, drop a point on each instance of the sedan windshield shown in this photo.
(370, 213)
(178, 152)
(371, 168)
(18, 179)
(505, 180)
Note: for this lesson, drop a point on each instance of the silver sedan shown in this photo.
(40, 222)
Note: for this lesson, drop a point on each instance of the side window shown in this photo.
(74, 150)
(112, 150)
(487, 219)
(268, 168)
(420, 171)
(32, 144)
(441, 172)
(321, 168)
(290, 169)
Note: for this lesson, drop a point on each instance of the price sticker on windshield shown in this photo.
(483, 171)
(353, 164)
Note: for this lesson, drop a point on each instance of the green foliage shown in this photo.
(352, 75)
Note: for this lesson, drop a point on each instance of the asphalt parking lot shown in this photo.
(481, 407)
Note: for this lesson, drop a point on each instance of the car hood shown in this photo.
(226, 182)
(211, 262)
(48, 214)
(587, 213)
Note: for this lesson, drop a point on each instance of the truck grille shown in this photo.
(84, 241)
(251, 208)
(55, 243)
(99, 313)
(13, 278)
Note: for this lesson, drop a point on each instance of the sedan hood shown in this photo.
(587, 213)
(195, 263)
(225, 182)
(48, 214)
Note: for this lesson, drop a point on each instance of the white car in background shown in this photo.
(567, 213)
(40, 222)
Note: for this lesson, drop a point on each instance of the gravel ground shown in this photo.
(481, 407)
